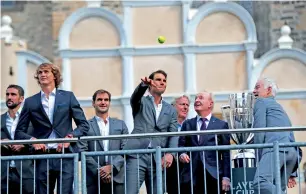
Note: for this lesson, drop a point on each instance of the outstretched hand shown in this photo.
(148, 81)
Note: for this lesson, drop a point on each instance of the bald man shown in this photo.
(204, 163)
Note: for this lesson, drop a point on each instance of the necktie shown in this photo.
(203, 127)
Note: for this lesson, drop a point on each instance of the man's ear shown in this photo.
(269, 90)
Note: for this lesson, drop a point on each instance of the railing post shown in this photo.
(159, 175)
(277, 167)
(76, 173)
(83, 168)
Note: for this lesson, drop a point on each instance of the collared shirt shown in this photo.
(11, 124)
(48, 105)
(158, 109)
(200, 122)
(179, 126)
(104, 131)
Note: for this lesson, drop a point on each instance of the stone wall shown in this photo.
(32, 21)
(294, 14)
(39, 22)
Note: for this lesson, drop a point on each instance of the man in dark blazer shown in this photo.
(269, 113)
(51, 112)
(181, 105)
(101, 169)
(204, 169)
(151, 115)
(9, 120)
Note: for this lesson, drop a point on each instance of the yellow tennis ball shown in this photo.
(161, 39)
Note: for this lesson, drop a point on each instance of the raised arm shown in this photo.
(136, 97)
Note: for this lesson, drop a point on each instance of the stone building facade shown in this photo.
(38, 26)
(113, 46)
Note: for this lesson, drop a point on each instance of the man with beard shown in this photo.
(105, 166)
(151, 115)
(269, 113)
(205, 164)
(181, 104)
(9, 120)
(51, 112)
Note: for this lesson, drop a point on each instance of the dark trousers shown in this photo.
(199, 185)
(64, 183)
(14, 183)
(105, 188)
(172, 178)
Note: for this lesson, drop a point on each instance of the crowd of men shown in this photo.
(49, 114)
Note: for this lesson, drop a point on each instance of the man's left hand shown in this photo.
(106, 171)
(65, 145)
(167, 160)
(291, 182)
(17, 148)
(226, 184)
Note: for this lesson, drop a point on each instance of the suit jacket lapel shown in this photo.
(194, 138)
(58, 99)
(3, 125)
(151, 103)
(96, 130)
(164, 108)
(38, 99)
(112, 126)
(211, 123)
(209, 127)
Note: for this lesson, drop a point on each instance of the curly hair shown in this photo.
(54, 69)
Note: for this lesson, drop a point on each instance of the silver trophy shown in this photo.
(239, 115)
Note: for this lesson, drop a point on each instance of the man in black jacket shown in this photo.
(11, 170)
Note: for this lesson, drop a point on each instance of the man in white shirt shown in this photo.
(100, 169)
(151, 115)
(9, 120)
(51, 112)
(205, 168)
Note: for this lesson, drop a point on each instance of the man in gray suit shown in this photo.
(151, 115)
(269, 113)
(101, 169)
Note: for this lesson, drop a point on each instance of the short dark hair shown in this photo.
(156, 72)
(19, 88)
(101, 92)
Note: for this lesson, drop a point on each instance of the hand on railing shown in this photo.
(17, 148)
(291, 182)
(8, 147)
(37, 147)
(184, 158)
(167, 160)
(65, 145)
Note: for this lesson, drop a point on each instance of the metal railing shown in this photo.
(158, 151)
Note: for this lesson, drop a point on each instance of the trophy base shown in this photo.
(245, 159)
(244, 162)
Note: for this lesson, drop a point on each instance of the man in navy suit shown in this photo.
(51, 112)
(204, 164)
